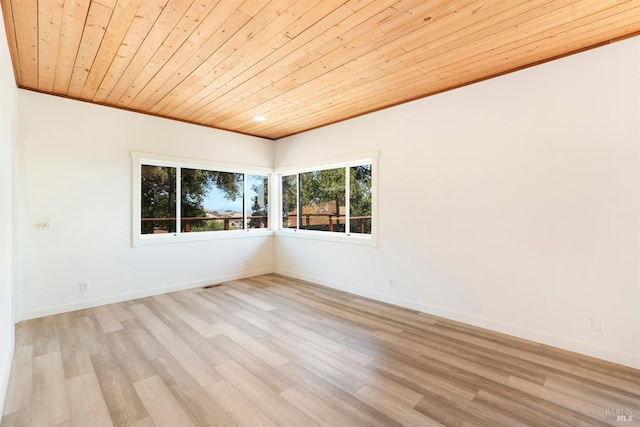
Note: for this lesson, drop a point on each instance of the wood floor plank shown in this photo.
(320, 412)
(602, 396)
(310, 323)
(374, 379)
(199, 300)
(94, 342)
(272, 350)
(268, 326)
(251, 300)
(431, 379)
(123, 403)
(505, 406)
(107, 319)
(17, 419)
(272, 404)
(145, 422)
(25, 332)
(164, 409)
(364, 320)
(148, 346)
(239, 408)
(467, 414)
(388, 406)
(256, 366)
(336, 377)
(631, 386)
(256, 347)
(75, 358)
(589, 409)
(198, 405)
(121, 311)
(20, 386)
(337, 398)
(86, 402)
(149, 320)
(205, 347)
(199, 325)
(393, 311)
(357, 357)
(45, 338)
(126, 352)
(50, 401)
(193, 363)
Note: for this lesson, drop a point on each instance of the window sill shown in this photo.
(162, 239)
(352, 238)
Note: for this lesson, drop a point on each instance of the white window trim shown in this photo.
(342, 162)
(140, 158)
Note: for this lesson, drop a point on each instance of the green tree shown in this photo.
(323, 194)
(158, 198)
(360, 198)
(158, 191)
(259, 200)
(323, 188)
(289, 198)
(196, 184)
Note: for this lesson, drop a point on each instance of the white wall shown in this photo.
(511, 204)
(76, 172)
(8, 115)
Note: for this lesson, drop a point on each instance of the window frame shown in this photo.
(138, 159)
(343, 162)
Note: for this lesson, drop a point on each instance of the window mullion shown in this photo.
(178, 200)
(244, 203)
(347, 201)
(298, 207)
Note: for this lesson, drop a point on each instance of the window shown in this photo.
(211, 200)
(158, 199)
(290, 201)
(330, 200)
(360, 199)
(322, 200)
(176, 199)
(258, 195)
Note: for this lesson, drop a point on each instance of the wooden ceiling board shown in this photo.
(96, 23)
(433, 78)
(302, 64)
(74, 15)
(11, 38)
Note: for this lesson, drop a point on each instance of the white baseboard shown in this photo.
(133, 295)
(632, 361)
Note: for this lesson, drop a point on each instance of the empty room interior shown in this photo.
(319, 212)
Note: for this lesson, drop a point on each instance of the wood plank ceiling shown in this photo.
(302, 64)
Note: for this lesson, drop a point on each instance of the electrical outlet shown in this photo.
(392, 283)
(43, 225)
(84, 286)
(597, 325)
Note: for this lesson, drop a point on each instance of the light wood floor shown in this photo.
(276, 351)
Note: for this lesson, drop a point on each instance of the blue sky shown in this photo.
(216, 201)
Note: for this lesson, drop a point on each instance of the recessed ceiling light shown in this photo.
(259, 118)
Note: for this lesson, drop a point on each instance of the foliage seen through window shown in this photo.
(317, 200)
(209, 200)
